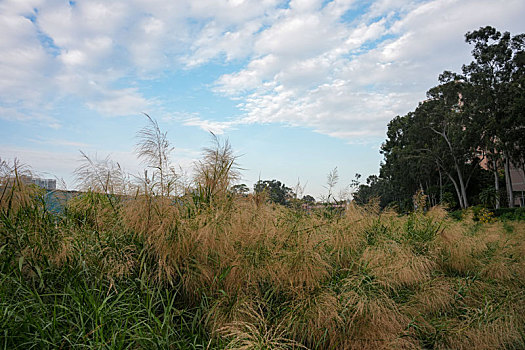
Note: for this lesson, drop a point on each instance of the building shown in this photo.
(48, 184)
(517, 177)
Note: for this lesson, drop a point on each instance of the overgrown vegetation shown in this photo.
(131, 264)
(162, 261)
(459, 146)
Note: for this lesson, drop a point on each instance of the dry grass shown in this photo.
(266, 276)
(397, 266)
(433, 297)
(498, 334)
(316, 319)
(15, 194)
(256, 332)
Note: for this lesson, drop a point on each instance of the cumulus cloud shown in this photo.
(342, 67)
(119, 102)
(23, 115)
(348, 79)
(216, 127)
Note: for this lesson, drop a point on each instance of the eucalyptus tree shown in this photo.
(516, 106)
(496, 77)
(467, 118)
(240, 189)
(436, 140)
(450, 138)
(277, 192)
(404, 169)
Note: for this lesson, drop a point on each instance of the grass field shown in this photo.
(213, 270)
(155, 263)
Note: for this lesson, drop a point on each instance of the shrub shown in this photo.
(517, 214)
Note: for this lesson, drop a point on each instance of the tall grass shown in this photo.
(209, 269)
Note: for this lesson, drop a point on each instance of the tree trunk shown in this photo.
(440, 187)
(462, 186)
(458, 191)
(458, 170)
(508, 181)
(496, 183)
(522, 203)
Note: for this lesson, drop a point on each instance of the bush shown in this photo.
(517, 214)
(213, 270)
(482, 214)
(456, 215)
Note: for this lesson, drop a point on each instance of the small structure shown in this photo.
(517, 177)
(48, 184)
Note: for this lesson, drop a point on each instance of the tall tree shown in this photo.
(493, 75)
(277, 192)
(406, 168)
(437, 139)
(468, 118)
(454, 147)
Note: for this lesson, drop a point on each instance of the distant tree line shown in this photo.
(459, 145)
(275, 192)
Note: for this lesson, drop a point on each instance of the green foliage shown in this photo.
(308, 199)
(216, 270)
(71, 309)
(253, 276)
(468, 117)
(449, 200)
(517, 214)
(456, 215)
(488, 197)
(240, 189)
(276, 191)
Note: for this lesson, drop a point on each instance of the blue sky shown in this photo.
(298, 87)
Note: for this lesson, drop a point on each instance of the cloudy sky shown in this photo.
(298, 87)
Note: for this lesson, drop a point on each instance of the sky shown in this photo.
(297, 87)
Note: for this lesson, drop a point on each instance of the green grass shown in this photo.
(238, 273)
(72, 309)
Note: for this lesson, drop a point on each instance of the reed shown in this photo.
(129, 264)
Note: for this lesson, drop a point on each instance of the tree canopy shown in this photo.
(277, 192)
(470, 118)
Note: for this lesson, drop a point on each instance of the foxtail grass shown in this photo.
(132, 265)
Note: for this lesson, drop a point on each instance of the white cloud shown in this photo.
(25, 116)
(349, 79)
(216, 39)
(24, 64)
(282, 38)
(73, 57)
(216, 127)
(119, 102)
(59, 142)
(301, 63)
